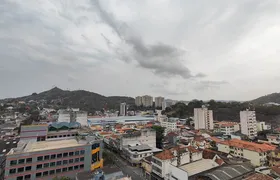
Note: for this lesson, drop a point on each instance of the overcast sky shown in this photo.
(180, 49)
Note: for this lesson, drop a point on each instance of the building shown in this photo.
(227, 128)
(170, 125)
(123, 109)
(248, 123)
(73, 115)
(135, 153)
(203, 118)
(64, 116)
(138, 101)
(106, 173)
(81, 117)
(159, 101)
(256, 153)
(147, 101)
(261, 126)
(48, 159)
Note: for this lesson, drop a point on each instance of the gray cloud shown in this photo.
(209, 85)
(161, 58)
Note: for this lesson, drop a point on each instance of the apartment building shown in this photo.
(262, 126)
(227, 128)
(203, 118)
(256, 153)
(170, 125)
(123, 109)
(48, 159)
(147, 101)
(138, 101)
(73, 115)
(248, 123)
(158, 101)
(135, 153)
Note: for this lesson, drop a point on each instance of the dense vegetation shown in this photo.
(274, 97)
(159, 136)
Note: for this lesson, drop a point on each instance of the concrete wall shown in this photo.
(177, 174)
(223, 148)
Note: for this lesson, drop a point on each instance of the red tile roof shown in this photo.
(193, 150)
(276, 169)
(258, 176)
(219, 161)
(249, 145)
(215, 139)
(165, 155)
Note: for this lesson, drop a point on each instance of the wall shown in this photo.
(254, 157)
(177, 174)
(147, 137)
(223, 148)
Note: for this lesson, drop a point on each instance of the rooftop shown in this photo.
(258, 176)
(165, 155)
(141, 147)
(199, 166)
(249, 145)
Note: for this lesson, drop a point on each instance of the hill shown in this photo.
(82, 99)
(274, 97)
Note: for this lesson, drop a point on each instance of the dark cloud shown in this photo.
(162, 59)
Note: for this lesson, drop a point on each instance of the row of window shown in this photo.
(47, 165)
(47, 157)
(65, 135)
(51, 172)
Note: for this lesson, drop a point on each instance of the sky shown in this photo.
(179, 49)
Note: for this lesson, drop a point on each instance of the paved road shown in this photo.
(134, 172)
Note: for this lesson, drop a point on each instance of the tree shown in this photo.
(159, 136)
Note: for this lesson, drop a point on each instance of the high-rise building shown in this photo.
(138, 101)
(158, 101)
(147, 101)
(203, 118)
(248, 123)
(123, 109)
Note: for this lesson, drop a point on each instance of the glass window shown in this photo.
(13, 162)
(40, 158)
(52, 164)
(58, 171)
(20, 178)
(28, 176)
(29, 160)
(38, 174)
(46, 173)
(65, 162)
(77, 153)
(21, 161)
(82, 151)
(13, 171)
(59, 155)
(53, 156)
(20, 170)
(82, 159)
(65, 154)
(39, 166)
(71, 153)
(64, 169)
(58, 163)
(77, 159)
(70, 168)
(28, 168)
(47, 157)
(76, 167)
(46, 165)
(52, 172)
(71, 161)
(81, 166)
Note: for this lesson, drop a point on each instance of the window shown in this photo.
(13, 171)
(81, 166)
(82, 151)
(76, 167)
(65, 162)
(46, 165)
(47, 157)
(58, 171)
(21, 161)
(52, 164)
(58, 163)
(20, 170)
(53, 156)
(77, 153)
(70, 168)
(20, 178)
(77, 159)
(29, 160)
(40, 158)
(13, 162)
(65, 154)
(38, 174)
(27, 177)
(64, 169)
(46, 173)
(39, 166)
(28, 168)
(52, 172)
(82, 159)
(59, 155)
(94, 146)
(71, 161)
(71, 153)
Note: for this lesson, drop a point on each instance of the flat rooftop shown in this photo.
(46, 145)
(199, 166)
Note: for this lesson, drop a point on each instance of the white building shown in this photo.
(227, 128)
(248, 123)
(123, 109)
(64, 116)
(170, 125)
(147, 101)
(158, 101)
(73, 116)
(203, 118)
(81, 117)
(261, 126)
(135, 153)
(138, 101)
